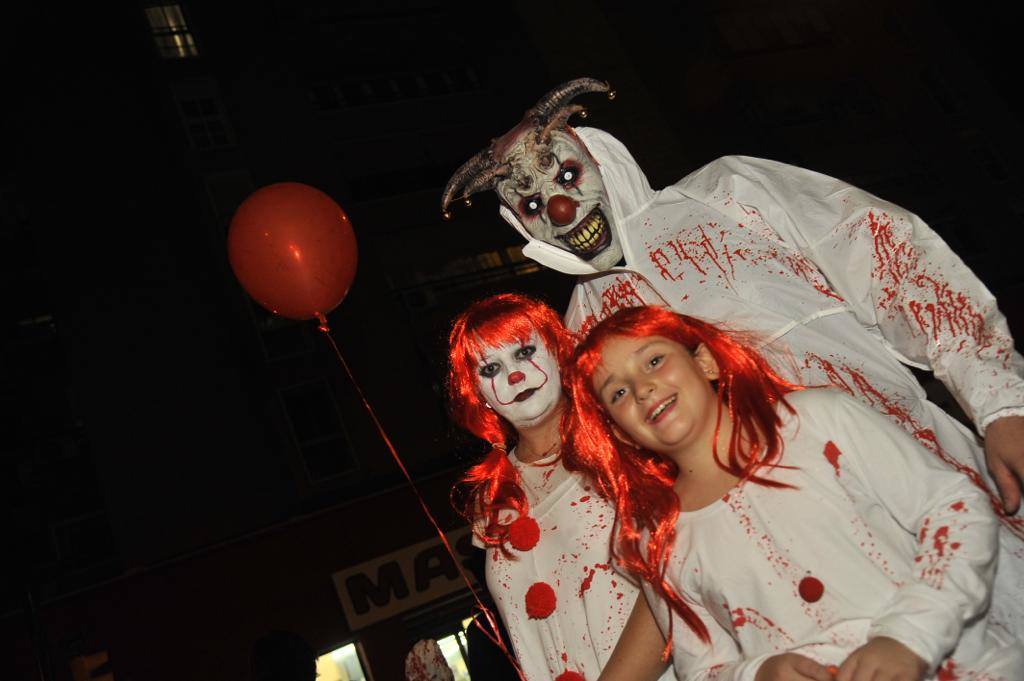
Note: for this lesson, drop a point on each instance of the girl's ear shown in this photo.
(707, 362)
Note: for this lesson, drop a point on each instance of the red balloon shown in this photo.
(293, 249)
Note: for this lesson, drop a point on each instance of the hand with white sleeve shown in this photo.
(1004, 454)
(882, 659)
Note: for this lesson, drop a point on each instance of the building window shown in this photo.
(202, 114)
(318, 430)
(456, 652)
(421, 289)
(329, 95)
(446, 624)
(204, 123)
(170, 32)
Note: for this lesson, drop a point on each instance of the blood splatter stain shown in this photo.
(832, 453)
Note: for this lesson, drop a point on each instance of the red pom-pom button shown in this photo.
(524, 533)
(540, 600)
(570, 676)
(811, 589)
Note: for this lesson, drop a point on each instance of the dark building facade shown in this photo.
(188, 471)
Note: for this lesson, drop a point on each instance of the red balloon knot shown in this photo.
(524, 533)
(811, 589)
(540, 600)
(570, 676)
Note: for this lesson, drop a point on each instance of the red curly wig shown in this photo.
(639, 482)
(493, 485)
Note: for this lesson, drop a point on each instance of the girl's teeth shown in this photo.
(665, 405)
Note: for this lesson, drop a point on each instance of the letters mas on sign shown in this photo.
(385, 586)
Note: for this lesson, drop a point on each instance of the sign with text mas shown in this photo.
(401, 580)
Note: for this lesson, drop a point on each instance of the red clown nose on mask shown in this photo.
(562, 209)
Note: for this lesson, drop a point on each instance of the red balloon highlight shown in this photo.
(293, 250)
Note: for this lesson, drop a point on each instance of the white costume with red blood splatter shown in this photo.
(841, 288)
(425, 662)
(593, 601)
(846, 555)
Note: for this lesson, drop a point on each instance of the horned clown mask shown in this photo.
(544, 175)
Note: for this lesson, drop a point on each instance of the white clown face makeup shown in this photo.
(520, 381)
(559, 196)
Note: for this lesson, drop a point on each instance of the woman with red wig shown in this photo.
(773, 527)
(545, 530)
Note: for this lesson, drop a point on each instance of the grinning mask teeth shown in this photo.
(557, 192)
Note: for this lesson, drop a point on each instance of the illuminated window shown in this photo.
(455, 653)
(341, 664)
(170, 32)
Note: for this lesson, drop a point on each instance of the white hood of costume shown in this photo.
(628, 193)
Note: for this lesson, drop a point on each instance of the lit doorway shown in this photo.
(341, 664)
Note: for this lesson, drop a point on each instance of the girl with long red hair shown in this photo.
(774, 528)
(545, 529)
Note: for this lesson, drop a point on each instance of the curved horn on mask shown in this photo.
(550, 103)
(558, 121)
(467, 173)
(487, 178)
(551, 112)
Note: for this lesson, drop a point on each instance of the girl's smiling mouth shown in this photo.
(660, 408)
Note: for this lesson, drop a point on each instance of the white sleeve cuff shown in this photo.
(988, 420)
(920, 619)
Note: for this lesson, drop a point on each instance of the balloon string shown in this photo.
(495, 637)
